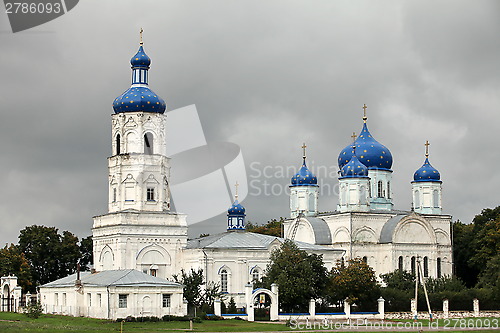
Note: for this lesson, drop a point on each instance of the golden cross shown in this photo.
(354, 136)
(364, 113)
(236, 193)
(140, 33)
(304, 150)
(427, 144)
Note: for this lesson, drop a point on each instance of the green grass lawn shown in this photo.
(14, 322)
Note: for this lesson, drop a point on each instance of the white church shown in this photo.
(140, 243)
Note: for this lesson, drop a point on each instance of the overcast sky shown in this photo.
(265, 75)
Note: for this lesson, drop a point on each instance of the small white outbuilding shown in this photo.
(113, 294)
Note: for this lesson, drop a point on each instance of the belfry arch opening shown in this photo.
(148, 143)
(118, 144)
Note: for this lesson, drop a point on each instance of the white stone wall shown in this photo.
(102, 302)
(303, 199)
(141, 241)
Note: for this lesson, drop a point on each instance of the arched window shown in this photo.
(148, 143)
(413, 266)
(118, 144)
(362, 199)
(311, 202)
(380, 189)
(255, 274)
(114, 194)
(426, 267)
(223, 281)
(438, 268)
(369, 189)
(342, 262)
(388, 190)
(416, 200)
(343, 195)
(365, 260)
(435, 198)
(400, 263)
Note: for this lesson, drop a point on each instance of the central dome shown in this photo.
(369, 151)
(139, 99)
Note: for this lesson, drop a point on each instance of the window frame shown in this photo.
(122, 301)
(166, 300)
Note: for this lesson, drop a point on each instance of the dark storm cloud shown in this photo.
(264, 75)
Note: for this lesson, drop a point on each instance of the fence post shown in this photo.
(381, 308)
(347, 310)
(413, 307)
(312, 308)
(217, 307)
(475, 306)
(446, 308)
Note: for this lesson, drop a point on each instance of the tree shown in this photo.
(87, 254)
(355, 281)
(463, 237)
(50, 255)
(300, 276)
(272, 228)
(398, 279)
(231, 306)
(192, 281)
(475, 245)
(13, 262)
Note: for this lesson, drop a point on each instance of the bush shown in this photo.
(176, 318)
(396, 299)
(34, 310)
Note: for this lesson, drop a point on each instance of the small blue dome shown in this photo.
(354, 169)
(304, 177)
(236, 209)
(139, 99)
(140, 59)
(370, 152)
(427, 173)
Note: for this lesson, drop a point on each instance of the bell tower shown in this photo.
(139, 231)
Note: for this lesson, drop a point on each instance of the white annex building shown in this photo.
(140, 243)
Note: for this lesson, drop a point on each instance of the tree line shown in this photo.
(43, 254)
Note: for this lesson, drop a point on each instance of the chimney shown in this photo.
(78, 282)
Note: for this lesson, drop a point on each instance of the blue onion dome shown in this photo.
(354, 169)
(140, 59)
(304, 177)
(139, 98)
(427, 173)
(236, 209)
(370, 152)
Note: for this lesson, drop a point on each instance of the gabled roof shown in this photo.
(246, 240)
(115, 278)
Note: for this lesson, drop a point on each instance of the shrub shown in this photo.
(34, 310)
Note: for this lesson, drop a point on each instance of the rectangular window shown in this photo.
(150, 194)
(114, 194)
(129, 192)
(166, 300)
(89, 298)
(56, 299)
(64, 299)
(99, 300)
(122, 301)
